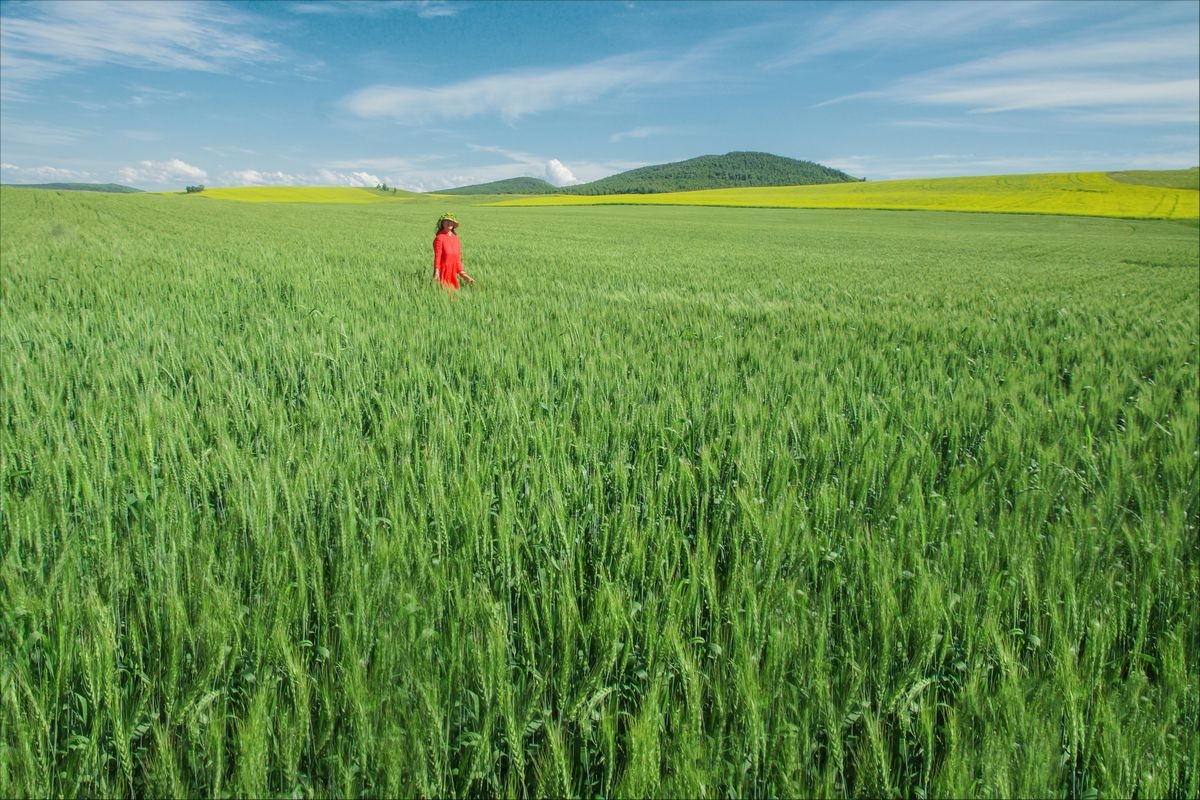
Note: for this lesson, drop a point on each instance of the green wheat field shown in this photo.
(678, 501)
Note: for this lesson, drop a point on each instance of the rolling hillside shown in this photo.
(510, 186)
(1162, 194)
(1092, 194)
(1167, 179)
(706, 172)
(714, 172)
(110, 188)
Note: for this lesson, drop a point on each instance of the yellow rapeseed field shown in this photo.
(1076, 193)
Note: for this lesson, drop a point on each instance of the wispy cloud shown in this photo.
(171, 172)
(431, 8)
(1138, 78)
(228, 151)
(1156, 46)
(148, 95)
(322, 177)
(852, 27)
(12, 173)
(1139, 116)
(142, 136)
(643, 132)
(20, 72)
(49, 38)
(1014, 93)
(426, 9)
(530, 165)
(515, 156)
(954, 125)
(387, 164)
(510, 95)
(35, 134)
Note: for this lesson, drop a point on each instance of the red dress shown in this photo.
(447, 258)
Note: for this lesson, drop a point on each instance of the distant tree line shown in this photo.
(195, 189)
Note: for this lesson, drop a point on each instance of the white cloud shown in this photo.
(558, 174)
(143, 136)
(1137, 48)
(511, 95)
(35, 134)
(401, 173)
(148, 95)
(587, 171)
(531, 165)
(11, 173)
(363, 179)
(1016, 93)
(253, 177)
(428, 173)
(228, 151)
(171, 172)
(49, 38)
(517, 156)
(20, 71)
(1139, 77)
(322, 177)
(426, 9)
(851, 27)
(429, 9)
(1140, 116)
(641, 133)
(954, 125)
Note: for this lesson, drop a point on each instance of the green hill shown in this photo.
(510, 186)
(1167, 179)
(113, 188)
(1091, 194)
(729, 171)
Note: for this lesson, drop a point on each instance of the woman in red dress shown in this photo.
(447, 254)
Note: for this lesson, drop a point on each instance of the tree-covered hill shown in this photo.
(114, 188)
(510, 186)
(706, 172)
(714, 172)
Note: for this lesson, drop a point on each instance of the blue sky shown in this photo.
(429, 95)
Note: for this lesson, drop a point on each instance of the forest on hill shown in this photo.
(714, 172)
(729, 171)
